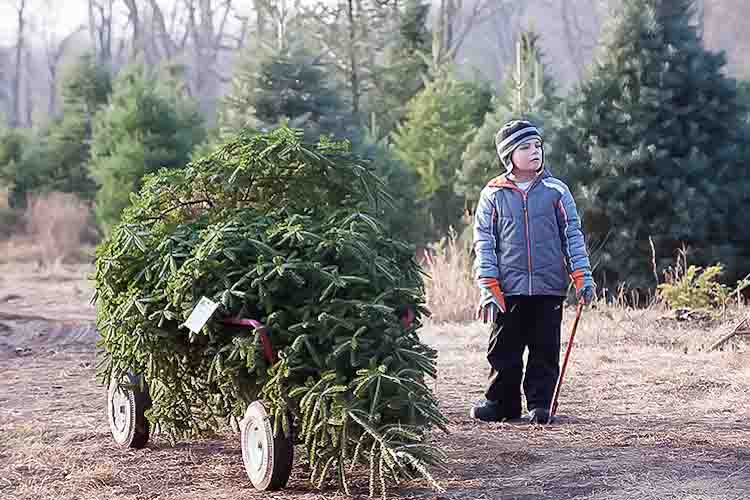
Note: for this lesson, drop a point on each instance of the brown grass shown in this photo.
(645, 412)
(55, 223)
(452, 294)
(639, 418)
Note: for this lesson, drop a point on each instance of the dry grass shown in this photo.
(639, 419)
(55, 223)
(451, 292)
(645, 412)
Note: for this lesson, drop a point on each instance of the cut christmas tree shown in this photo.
(280, 232)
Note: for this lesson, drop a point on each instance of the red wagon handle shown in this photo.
(262, 333)
(407, 319)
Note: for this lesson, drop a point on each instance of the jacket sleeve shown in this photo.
(571, 235)
(485, 239)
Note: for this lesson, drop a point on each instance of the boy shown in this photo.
(527, 242)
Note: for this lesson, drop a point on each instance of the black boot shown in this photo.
(486, 411)
(540, 416)
(492, 411)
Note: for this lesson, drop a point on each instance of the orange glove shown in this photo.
(585, 286)
(492, 298)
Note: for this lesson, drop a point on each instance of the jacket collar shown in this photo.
(502, 181)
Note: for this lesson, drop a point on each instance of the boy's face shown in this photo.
(528, 156)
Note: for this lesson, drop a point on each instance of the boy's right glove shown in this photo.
(492, 301)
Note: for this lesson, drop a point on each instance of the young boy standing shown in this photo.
(528, 244)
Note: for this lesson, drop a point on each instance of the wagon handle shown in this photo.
(262, 333)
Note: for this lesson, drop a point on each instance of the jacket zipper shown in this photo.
(524, 195)
(528, 239)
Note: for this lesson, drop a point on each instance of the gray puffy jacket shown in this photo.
(531, 241)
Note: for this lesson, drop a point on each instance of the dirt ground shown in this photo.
(645, 413)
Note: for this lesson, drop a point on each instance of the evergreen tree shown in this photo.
(651, 146)
(56, 159)
(13, 142)
(399, 214)
(289, 84)
(527, 93)
(440, 122)
(147, 125)
(85, 91)
(401, 76)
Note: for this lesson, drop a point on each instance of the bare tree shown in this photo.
(164, 33)
(100, 29)
(455, 21)
(581, 24)
(20, 45)
(54, 50)
(29, 93)
(261, 7)
(135, 22)
(207, 23)
(507, 27)
(4, 90)
(353, 59)
(351, 34)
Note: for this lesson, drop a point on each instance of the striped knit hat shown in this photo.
(513, 134)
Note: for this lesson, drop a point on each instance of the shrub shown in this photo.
(9, 222)
(695, 287)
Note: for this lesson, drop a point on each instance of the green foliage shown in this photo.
(86, 87)
(10, 219)
(282, 232)
(13, 142)
(651, 145)
(401, 218)
(147, 125)
(56, 158)
(527, 93)
(440, 122)
(401, 74)
(414, 35)
(85, 90)
(287, 85)
(694, 287)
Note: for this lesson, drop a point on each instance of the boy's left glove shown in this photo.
(585, 286)
(492, 301)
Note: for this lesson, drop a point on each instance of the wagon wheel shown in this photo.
(126, 407)
(268, 458)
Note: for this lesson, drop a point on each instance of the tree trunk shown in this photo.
(164, 35)
(52, 101)
(353, 63)
(29, 97)
(134, 19)
(260, 21)
(100, 30)
(573, 45)
(15, 118)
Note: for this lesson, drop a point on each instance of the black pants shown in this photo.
(533, 322)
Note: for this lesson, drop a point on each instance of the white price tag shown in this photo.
(200, 315)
